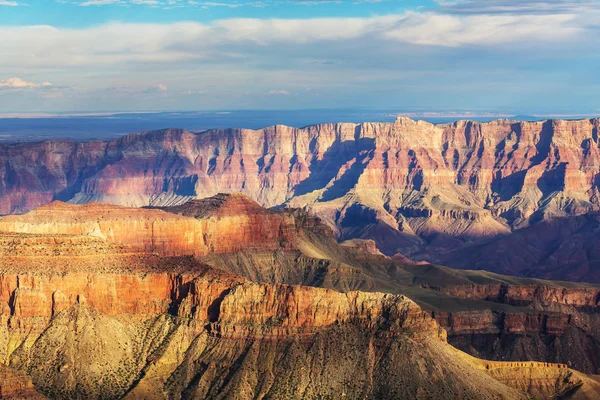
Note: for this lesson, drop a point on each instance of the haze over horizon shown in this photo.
(136, 55)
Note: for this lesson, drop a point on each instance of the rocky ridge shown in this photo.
(189, 326)
(184, 334)
(415, 188)
(232, 222)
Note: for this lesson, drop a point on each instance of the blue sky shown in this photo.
(84, 13)
(134, 55)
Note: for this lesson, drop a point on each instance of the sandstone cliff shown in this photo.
(221, 224)
(121, 302)
(485, 314)
(212, 336)
(413, 187)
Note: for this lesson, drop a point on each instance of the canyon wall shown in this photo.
(413, 187)
(555, 323)
(228, 224)
(105, 301)
(484, 314)
(183, 336)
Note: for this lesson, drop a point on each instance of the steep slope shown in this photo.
(565, 248)
(413, 187)
(210, 335)
(85, 316)
(186, 331)
(488, 315)
(249, 341)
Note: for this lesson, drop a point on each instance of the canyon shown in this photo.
(222, 298)
(457, 194)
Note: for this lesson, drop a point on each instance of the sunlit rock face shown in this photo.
(220, 297)
(223, 223)
(149, 335)
(418, 189)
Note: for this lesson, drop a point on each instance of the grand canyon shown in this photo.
(221, 297)
(458, 194)
(374, 260)
(299, 200)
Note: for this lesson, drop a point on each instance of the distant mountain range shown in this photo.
(505, 196)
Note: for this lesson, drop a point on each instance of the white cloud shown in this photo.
(18, 83)
(209, 4)
(122, 43)
(518, 6)
(8, 3)
(279, 92)
(484, 30)
(234, 62)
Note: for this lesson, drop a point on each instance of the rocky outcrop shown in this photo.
(543, 380)
(16, 385)
(509, 335)
(213, 336)
(484, 314)
(102, 342)
(413, 187)
(557, 324)
(539, 295)
(107, 301)
(368, 246)
(221, 224)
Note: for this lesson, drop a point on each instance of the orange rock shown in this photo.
(224, 223)
(16, 385)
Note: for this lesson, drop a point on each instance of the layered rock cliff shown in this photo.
(106, 301)
(207, 334)
(485, 314)
(220, 224)
(213, 336)
(413, 187)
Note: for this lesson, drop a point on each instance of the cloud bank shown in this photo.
(462, 52)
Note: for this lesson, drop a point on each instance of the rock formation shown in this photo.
(221, 224)
(195, 301)
(208, 335)
(16, 385)
(414, 188)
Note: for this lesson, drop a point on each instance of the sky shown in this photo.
(179, 55)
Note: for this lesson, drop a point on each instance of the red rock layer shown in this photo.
(229, 224)
(469, 178)
(536, 295)
(16, 385)
(233, 307)
(549, 323)
(290, 308)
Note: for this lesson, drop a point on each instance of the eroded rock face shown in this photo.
(368, 246)
(16, 385)
(560, 326)
(220, 224)
(232, 233)
(88, 315)
(413, 187)
(94, 335)
(269, 340)
(236, 235)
